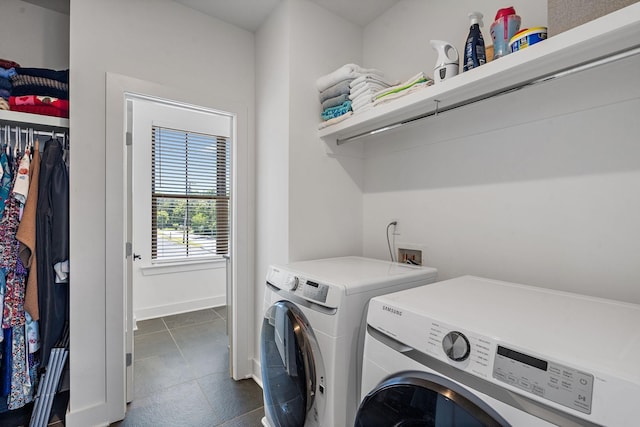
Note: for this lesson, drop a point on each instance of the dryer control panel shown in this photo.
(559, 383)
(484, 356)
(474, 353)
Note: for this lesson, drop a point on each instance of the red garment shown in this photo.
(7, 63)
(45, 110)
(62, 104)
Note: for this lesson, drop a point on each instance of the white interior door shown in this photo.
(129, 321)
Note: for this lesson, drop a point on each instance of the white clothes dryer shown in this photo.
(479, 352)
(313, 334)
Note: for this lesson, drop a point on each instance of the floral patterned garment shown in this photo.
(16, 364)
(21, 388)
(13, 310)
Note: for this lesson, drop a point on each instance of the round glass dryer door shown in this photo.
(421, 399)
(288, 368)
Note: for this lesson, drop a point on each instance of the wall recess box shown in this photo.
(410, 256)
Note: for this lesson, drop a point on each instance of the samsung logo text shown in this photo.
(392, 310)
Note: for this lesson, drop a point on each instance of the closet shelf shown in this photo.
(36, 121)
(601, 38)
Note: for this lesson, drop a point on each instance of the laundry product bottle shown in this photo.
(474, 53)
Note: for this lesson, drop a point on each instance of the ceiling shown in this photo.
(249, 14)
(61, 6)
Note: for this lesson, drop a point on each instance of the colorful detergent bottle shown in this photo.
(474, 53)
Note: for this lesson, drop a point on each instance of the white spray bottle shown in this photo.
(447, 63)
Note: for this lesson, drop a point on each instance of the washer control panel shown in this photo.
(298, 285)
(456, 346)
(315, 291)
(488, 358)
(559, 383)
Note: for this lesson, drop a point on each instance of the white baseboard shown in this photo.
(257, 372)
(179, 307)
(91, 416)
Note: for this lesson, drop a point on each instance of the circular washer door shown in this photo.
(421, 399)
(288, 369)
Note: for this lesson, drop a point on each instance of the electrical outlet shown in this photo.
(396, 228)
(410, 256)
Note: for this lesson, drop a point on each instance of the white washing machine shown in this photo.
(478, 352)
(311, 340)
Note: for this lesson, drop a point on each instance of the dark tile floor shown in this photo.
(181, 375)
(21, 417)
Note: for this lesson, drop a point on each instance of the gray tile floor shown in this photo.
(181, 371)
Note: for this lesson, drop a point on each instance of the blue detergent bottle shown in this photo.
(474, 53)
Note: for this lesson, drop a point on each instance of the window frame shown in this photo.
(220, 195)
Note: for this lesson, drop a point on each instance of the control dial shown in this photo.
(456, 346)
(292, 283)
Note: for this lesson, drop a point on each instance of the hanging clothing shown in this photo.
(21, 391)
(15, 275)
(52, 232)
(26, 235)
(5, 182)
(7, 359)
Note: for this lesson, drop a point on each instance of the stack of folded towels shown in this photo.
(335, 90)
(40, 91)
(7, 70)
(364, 88)
(415, 83)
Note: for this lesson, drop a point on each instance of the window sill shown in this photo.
(180, 267)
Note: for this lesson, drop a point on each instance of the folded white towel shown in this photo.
(400, 94)
(361, 102)
(375, 78)
(369, 85)
(363, 108)
(402, 87)
(365, 90)
(342, 73)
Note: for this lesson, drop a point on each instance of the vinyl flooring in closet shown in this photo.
(181, 370)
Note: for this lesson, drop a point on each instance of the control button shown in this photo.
(538, 390)
(456, 346)
(292, 283)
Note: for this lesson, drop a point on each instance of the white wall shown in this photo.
(272, 154)
(325, 194)
(158, 41)
(398, 41)
(540, 186)
(33, 36)
(309, 205)
(202, 286)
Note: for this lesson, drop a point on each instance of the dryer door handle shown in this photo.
(388, 341)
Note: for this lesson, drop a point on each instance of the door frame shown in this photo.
(242, 317)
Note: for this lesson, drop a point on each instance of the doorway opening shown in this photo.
(119, 250)
(178, 210)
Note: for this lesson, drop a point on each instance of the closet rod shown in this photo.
(439, 110)
(29, 130)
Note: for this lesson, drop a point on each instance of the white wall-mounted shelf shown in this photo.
(36, 121)
(601, 38)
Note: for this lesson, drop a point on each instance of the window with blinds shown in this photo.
(190, 193)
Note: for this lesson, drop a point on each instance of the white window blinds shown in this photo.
(190, 193)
